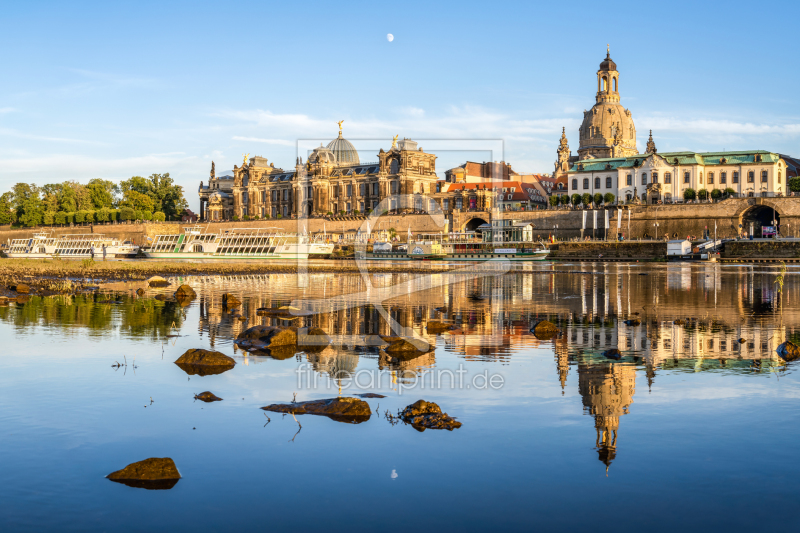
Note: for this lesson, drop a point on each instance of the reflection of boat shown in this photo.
(460, 247)
(244, 243)
(45, 245)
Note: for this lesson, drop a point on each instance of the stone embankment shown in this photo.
(609, 251)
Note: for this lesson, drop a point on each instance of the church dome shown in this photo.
(323, 155)
(344, 151)
(608, 63)
(606, 126)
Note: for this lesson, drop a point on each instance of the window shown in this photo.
(701, 178)
(667, 177)
(735, 177)
(629, 180)
(263, 197)
(446, 204)
(779, 176)
(764, 175)
(608, 182)
(285, 194)
(597, 183)
(723, 177)
(751, 177)
(394, 187)
(349, 192)
(585, 183)
(348, 205)
(687, 177)
(711, 178)
(459, 203)
(654, 175)
(574, 185)
(375, 189)
(644, 178)
(362, 190)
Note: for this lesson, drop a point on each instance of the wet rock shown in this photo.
(229, 301)
(633, 322)
(350, 410)
(162, 297)
(266, 337)
(140, 292)
(158, 281)
(679, 322)
(3, 301)
(185, 292)
(613, 353)
(370, 395)
(207, 397)
(544, 330)
(23, 298)
(204, 362)
(788, 351)
(20, 288)
(424, 415)
(405, 348)
(434, 326)
(155, 473)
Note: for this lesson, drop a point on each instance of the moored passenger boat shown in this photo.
(45, 245)
(235, 244)
(459, 247)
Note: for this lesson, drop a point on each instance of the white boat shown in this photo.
(45, 245)
(461, 247)
(235, 244)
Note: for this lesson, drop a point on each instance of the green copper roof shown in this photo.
(683, 158)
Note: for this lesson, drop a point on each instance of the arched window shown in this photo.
(779, 176)
(605, 84)
(585, 183)
(644, 179)
(597, 183)
(615, 84)
(197, 248)
(575, 185)
(701, 178)
(608, 182)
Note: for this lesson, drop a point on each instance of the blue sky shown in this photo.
(111, 90)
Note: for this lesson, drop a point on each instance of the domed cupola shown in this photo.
(323, 155)
(608, 63)
(343, 149)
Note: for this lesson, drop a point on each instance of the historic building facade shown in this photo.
(333, 180)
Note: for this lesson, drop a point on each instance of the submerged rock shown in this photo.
(679, 322)
(23, 298)
(434, 326)
(424, 415)
(230, 301)
(185, 291)
(262, 338)
(544, 330)
(158, 281)
(633, 322)
(140, 292)
(613, 353)
(345, 409)
(155, 473)
(788, 351)
(207, 397)
(204, 362)
(405, 348)
(371, 395)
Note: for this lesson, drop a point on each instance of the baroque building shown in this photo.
(333, 180)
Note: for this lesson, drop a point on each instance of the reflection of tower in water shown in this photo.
(607, 391)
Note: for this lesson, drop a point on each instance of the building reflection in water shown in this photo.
(692, 317)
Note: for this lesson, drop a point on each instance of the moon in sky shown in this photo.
(389, 37)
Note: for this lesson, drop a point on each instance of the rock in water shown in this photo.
(155, 473)
(371, 395)
(21, 288)
(350, 410)
(185, 291)
(634, 322)
(679, 322)
(204, 362)
(788, 351)
(140, 292)
(157, 281)
(544, 330)
(207, 397)
(405, 348)
(229, 301)
(424, 415)
(613, 353)
(434, 326)
(266, 337)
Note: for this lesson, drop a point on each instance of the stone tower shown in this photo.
(607, 129)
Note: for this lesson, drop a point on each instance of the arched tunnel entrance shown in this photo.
(757, 217)
(473, 224)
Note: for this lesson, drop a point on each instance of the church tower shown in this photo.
(607, 129)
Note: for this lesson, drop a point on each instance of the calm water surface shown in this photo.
(690, 430)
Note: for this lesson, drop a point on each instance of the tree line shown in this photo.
(154, 198)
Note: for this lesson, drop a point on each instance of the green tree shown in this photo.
(80, 217)
(576, 199)
(158, 216)
(716, 194)
(102, 193)
(7, 215)
(32, 211)
(586, 198)
(137, 201)
(730, 192)
(60, 217)
(609, 198)
(68, 200)
(48, 218)
(127, 213)
(20, 194)
(689, 194)
(702, 194)
(553, 201)
(598, 198)
(166, 195)
(794, 184)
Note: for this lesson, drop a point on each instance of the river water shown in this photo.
(690, 429)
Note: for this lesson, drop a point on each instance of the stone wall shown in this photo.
(604, 251)
(761, 249)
